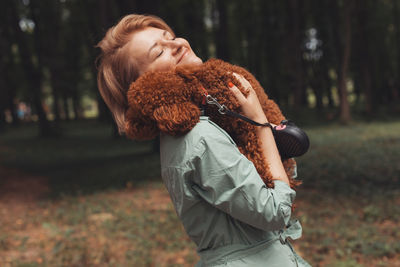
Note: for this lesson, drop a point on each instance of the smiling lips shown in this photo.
(185, 51)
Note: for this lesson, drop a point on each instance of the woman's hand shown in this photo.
(251, 108)
(250, 104)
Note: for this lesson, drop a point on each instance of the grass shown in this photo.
(354, 159)
(84, 160)
(131, 227)
(108, 207)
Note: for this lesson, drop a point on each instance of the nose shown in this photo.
(175, 45)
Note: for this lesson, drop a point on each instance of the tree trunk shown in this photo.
(32, 73)
(76, 105)
(196, 34)
(362, 45)
(3, 96)
(65, 109)
(8, 68)
(345, 116)
(221, 31)
(95, 29)
(317, 84)
(396, 85)
(295, 55)
(55, 93)
(326, 22)
(11, 89)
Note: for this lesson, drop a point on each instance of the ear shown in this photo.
(138, 127)
(177, 119)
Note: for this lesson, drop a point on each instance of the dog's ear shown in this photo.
(177, 119)
(139, 127)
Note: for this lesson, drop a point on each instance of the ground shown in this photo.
(42, 232)
(90, 200)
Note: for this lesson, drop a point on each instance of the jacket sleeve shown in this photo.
(226, 179)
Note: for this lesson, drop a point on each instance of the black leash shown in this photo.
(222, 109)
(291, 141)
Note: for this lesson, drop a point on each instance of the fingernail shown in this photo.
(230, 84)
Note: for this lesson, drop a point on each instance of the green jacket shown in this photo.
(226, 209)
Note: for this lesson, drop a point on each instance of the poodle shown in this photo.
(171, 101)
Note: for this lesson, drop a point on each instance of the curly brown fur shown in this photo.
(170, 101)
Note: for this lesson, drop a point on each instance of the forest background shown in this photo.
(73, 193)
(338, 59)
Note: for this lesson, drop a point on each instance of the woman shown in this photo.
(226, 209)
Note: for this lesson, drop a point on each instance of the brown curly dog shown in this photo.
(170, 102)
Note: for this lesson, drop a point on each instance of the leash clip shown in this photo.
(213, 101)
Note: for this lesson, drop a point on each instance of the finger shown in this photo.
(236, 92)
(245, 83)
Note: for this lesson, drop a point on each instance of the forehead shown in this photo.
(142, 40)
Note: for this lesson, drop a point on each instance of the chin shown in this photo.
(198, 60)
(194, 60)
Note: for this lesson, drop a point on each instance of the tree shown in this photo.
(8, 70)
(342, 18)
(29, 49)
(362, 54)
(221, 30)
(294, 42)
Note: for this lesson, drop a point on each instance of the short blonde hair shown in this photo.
(116, 71)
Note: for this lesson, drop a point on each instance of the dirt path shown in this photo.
(26, 236)
(17, 187)
(20, 195)
(30, 231)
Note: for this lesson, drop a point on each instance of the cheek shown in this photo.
(164, 64)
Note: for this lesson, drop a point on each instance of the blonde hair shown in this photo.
(116, 71)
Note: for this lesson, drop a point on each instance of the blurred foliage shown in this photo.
(362, 157)
(84, 160)
(100, 211)
(311, 54)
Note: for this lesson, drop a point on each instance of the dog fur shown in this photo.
(170, 101)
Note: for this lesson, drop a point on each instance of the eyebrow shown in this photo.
(156, 43)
